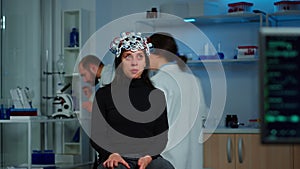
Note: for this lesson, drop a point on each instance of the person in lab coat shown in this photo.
(95, 73)
(185, 103)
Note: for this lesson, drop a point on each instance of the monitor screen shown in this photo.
(279, 50)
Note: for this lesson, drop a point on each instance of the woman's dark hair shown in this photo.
(145, 74)
(165, 45)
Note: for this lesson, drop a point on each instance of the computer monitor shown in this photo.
(279, 50)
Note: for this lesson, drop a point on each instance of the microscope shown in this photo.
(63, 104)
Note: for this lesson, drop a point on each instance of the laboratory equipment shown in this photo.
(63, 104)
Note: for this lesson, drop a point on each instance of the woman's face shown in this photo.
(133, 63)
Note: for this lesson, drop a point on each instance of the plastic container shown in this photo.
(5, 108)
(74, 38)
(240, 7)
(246, 52)
(43, 157)
(282, 6)
(254, 123)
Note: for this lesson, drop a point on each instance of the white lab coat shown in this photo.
(185, 106)
(107, 75)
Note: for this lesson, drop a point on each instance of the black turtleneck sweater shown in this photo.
(139, 92)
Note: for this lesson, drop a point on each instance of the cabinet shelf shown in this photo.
(76, 152)
(204, 20)
(191, 62)
(72, 143)
(228, 18)
(42, 120)
(161, 22)
(285, 16)
(72, 148)
(76, 18)
(72, 48)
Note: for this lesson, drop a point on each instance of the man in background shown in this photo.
(95, 73)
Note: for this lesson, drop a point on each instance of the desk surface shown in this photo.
(35, 119)
(240, 130)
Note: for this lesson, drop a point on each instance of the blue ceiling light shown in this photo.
(189, 20)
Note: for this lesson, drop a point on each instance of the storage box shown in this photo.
(281, 6)
(43, 157)
(239, 7)
(23, 112)
(245, 52)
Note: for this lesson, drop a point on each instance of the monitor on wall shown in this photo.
(279, 50)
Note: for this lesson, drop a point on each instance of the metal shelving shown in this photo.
(222, 61)
(285, 16)
(245, 17)
(29, 121)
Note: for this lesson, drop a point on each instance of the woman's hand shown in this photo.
(113, 161)
(144, 161)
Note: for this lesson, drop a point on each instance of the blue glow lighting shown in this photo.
(189, 20)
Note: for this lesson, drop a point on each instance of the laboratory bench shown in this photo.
(43, 122)
(228, 130)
